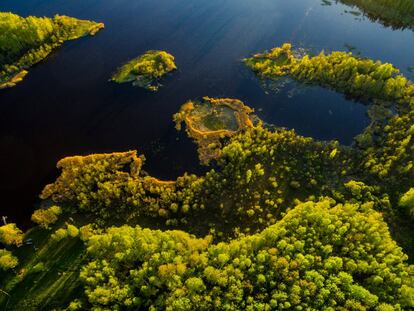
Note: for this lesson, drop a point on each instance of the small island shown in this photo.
(25, 42)
(146, 70)
(210, 121)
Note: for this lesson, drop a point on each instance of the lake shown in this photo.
(66, 106)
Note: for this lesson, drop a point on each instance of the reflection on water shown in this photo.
(398, 14)
(66, 105)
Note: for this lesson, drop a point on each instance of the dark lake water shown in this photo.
(66, 106)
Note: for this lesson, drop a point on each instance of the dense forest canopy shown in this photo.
(320, 256)
(26, 41)
(278, 222)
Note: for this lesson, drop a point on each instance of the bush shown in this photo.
(46, 217)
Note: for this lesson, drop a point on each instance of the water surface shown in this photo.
(66, 105)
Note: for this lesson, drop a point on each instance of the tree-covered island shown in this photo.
(146, 70)
(25, 42)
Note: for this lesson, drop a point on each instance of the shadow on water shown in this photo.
(66, 105)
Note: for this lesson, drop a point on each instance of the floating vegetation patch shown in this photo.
(146, 70)
(26, 41)
(210, 121)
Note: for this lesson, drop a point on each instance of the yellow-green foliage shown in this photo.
(212, 120)
(394, 13)
(111, 186)
(7, 260)
(341, 71)
(407, 201)
(387, 143)
(320, 256)
(276, 63)
(11, 235)
(256, 179)
(47, 277)
(146, 70)
(261, 172)
(45, 217)
(333, 252)
(59, 234)
(72, 231)
(26, 41)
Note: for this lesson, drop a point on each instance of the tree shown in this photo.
(11, 235)
(46, 217)
(407, 201)
(7, 260)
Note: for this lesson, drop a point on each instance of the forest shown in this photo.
(27, 41)
(283, 222)
(278, 221)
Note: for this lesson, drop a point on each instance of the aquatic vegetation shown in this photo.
(275, 63)
(398, 14)
(210, 121)
(26, 41)
(146, 70)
